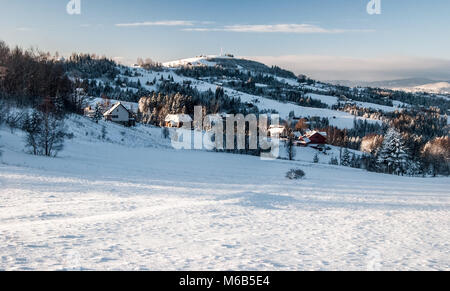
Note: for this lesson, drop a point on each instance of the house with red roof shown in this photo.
(313, 138)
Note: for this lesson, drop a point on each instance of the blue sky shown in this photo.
(326, 39)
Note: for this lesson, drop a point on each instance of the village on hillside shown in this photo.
(295, 129)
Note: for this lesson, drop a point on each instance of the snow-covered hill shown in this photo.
(337, 118)
(225, 61)
(130, 202)
(197, 61)
(271, 92)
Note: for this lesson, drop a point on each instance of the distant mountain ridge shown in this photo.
(389, 84)
(435, 88)
(412, 85)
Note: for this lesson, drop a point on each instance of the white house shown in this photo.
(278, 131)
(120, 114)
(177, 120)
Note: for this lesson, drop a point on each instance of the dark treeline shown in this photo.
(131, 93)
(28, 76)
(86, 66)
(238, 76)
(357, 110)
(260, 84)
(417, 126)
(153, 109)
(386, 97)
(410, 142)
(424, 123)
(351, 138)
(421, 99)
(214, 102)
(248, 65)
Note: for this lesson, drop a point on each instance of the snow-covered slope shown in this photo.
(337, 118)
(197, 61)
(332, 100)
(138, 205)
(149, 81)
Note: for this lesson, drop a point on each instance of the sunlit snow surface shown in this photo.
(133, 203)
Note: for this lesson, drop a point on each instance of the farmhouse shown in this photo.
(278, 131)
(313, 138)
(120, 114)
(177, 120)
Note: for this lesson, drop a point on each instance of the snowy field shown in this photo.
(114, 206)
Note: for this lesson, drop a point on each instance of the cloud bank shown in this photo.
(361, 69)
(206, 26)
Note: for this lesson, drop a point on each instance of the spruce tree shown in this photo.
(97, 113)
(393, 157)
(345, 159)
(316, 158)
(290, 147)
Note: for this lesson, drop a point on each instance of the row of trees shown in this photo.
(386, 97)
(154, 109)
(88, 66)
(131, 93)
(29, 78)
(30, 75)
(391, 154)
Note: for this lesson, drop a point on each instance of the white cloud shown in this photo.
(361, 69)
(276, 28)
(158, 23)
(191, 25)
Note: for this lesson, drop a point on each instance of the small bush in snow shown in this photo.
(295, 174)
(334, 161)
(316, 158)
